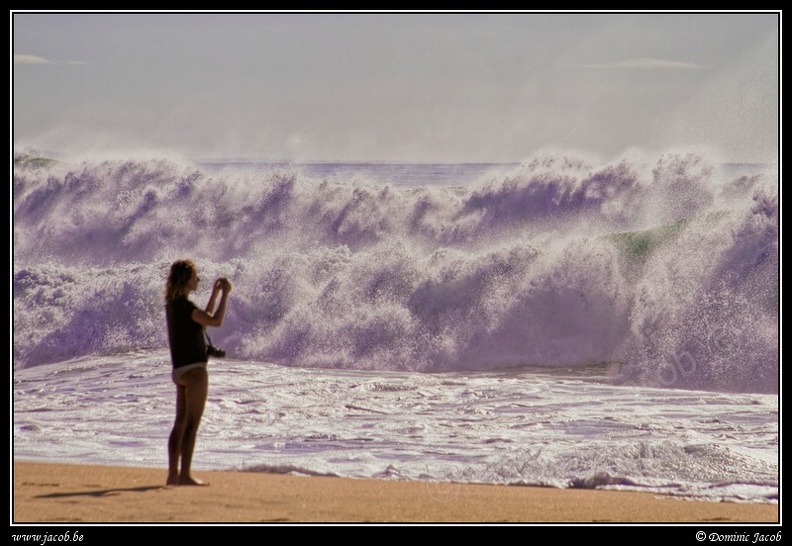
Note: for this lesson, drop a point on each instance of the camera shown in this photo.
(211, 350)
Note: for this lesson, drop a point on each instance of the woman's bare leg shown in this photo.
(196, 384)
(176, 436)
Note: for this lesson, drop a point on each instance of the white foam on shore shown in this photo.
(559, 428)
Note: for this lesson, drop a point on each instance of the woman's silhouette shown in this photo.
(186, 324)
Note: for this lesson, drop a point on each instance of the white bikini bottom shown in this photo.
(181, 370)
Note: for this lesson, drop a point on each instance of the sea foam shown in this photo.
(668, 269)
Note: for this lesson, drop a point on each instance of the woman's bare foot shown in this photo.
(172, 480)
(189, 480)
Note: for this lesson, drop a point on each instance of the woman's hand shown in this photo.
(210, 317)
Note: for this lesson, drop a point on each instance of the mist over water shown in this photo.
(667, 268)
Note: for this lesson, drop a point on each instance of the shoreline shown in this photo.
(46, 493)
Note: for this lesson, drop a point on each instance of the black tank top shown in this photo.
(185, 336)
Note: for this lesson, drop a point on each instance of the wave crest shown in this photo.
(670, 269)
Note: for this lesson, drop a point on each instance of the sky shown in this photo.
(409, 87)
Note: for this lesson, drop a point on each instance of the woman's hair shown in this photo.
(180, 274)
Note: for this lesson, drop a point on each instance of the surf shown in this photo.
(668, 267)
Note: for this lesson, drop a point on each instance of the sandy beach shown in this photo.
(80, 494)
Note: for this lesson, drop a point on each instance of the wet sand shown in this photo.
(57, 493)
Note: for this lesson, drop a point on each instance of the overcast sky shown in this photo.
(397, 87)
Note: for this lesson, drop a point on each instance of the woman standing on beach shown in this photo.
(186, 324)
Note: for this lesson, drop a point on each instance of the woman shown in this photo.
(186, 324)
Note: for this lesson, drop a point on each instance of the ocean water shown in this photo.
(556, 322)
